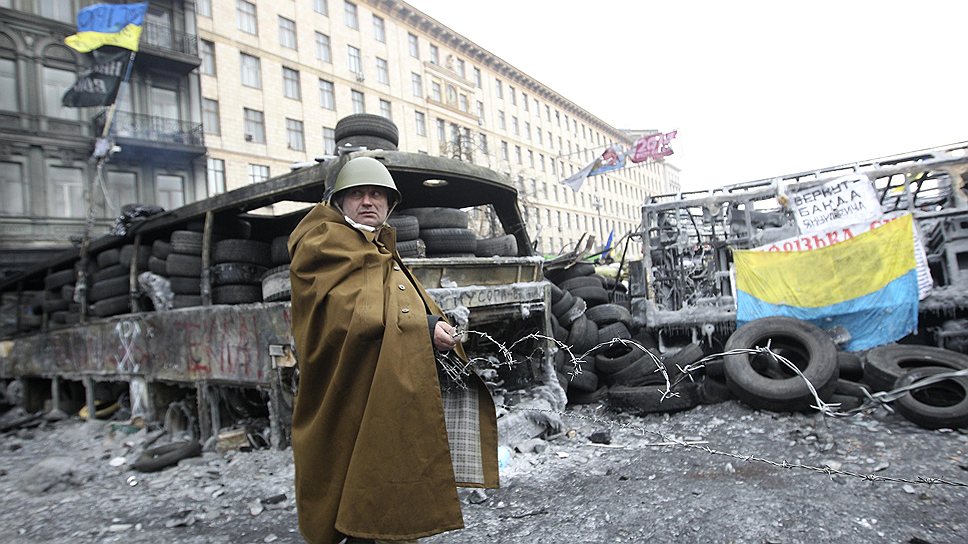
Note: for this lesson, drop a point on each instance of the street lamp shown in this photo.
(597, 204)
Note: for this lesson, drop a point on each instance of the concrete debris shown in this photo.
(184, 518)
(256, 508)
(51, 475)
(476, 496)
(233, 439)
(602, 436)
(534, 445)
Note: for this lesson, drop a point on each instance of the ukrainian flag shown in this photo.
(108, 24)
(868, 285)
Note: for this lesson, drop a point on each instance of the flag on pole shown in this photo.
(612, 159)
(606, 253)
(576, 181)
(108, 24)
(99, 84)
(653, 146)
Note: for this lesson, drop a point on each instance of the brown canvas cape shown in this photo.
(369, 439)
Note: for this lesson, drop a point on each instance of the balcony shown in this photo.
(173, 49)
(137, 132)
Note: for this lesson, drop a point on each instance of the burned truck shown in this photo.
(182, 317)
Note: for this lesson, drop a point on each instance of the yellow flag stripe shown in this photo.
(830, 275)
(127, 38)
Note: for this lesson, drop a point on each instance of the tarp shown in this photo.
(867, 284)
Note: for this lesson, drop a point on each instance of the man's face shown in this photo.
(366, 204)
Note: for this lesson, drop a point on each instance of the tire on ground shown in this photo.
(941, 405)
(616, 358)
(649, 398)
(585, 381)
(612, 331)
(160, 457)
(576, 396)
(563, 304)
(582, 336)
(886, 364)
(605, 314)
(850, 365)
(788, 393)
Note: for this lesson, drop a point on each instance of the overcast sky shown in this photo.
(756, 89)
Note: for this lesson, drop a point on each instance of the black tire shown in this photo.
(845, 402)
(112, 306)
(941, 405)
(412, 249)
(368, 142)
(850, 365)
(112, 271)
(183, 265)
(449, 240)
(716, 369)
(580, 281)
(582, 336)
(617, 358)
(646, 339)
(407, 227)
(57, 304)
(185, 285)
(186, 242)
(160, 249)
(578, 269)
(185, 301)
(279, 250)
(686, 356)
(564, 304)
(887, 364)
(237, 274)
(786, 392)
(236, 294)
(850, 388)
(499, 246)
(67, 292)
(160, 457)
(223, 227)
(438, 218)
(585, 381)
(714, 391)
(127, 253)
(576, 311)
(557, 331)
(612, 331)
(276, 284)
(556, 293)
(236, 250)
(644, 371)
(157, 266)
(108, 257)
(594, 296)
(648, 399)
(606, 314)
(111, 287)
(366, 124)
(59, 317)
(581, 397)
(56, 280)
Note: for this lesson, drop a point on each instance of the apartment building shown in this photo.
(277, 76)
(45, 148)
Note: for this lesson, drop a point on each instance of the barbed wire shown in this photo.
(872, 400)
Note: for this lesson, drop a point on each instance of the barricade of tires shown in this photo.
(443, 232)
(275, 281)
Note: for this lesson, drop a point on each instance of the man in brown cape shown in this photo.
(379, 446)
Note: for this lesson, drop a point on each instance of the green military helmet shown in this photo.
(366, 171)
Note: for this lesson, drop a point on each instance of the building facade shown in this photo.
(277, 76)
(45, 148)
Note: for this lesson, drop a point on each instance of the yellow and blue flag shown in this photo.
(108, 24)
(867, 285)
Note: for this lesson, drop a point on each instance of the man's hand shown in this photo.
(445, 336)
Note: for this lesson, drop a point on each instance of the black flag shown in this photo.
(99, 84)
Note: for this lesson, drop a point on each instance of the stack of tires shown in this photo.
(623, 374)
(183, 267)
(58, 299)
(409, 244)
(275, 281)
(365, 130)
(239, 265)
(442, 232)
(109, 292)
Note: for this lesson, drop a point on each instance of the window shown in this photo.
(414, 47)
(210, 120)
(8, 85)
(258, 173)
(207, 52)
(504, 150)
(327, 94)
(483, 140)
(294, 135)
(12, 188)
(57, 81)
(287, 33)
(435, 91)
(524, 101)
(501, 123)
(477, 77)
(169, 191)
(416, 84)
(451, 95)
(527, 130)
(204, 7)
(323, 51)
(548, 113)
(245, 17)
(321, 6)
(350, 16)
(538, 134)
(498, 88)
(514, 96)
(385, 109)
(251, 71)
(382, 71)
(517, 154)
(355, 60)
(464, 104)
(379, 29)
(420, 121)
(329, 140)
(216, 176)
(359, 102)
(56, 9)
(255, 126)
(514, 126)
(434, 54)
(531, 158)
(462, 68)
(290, 83)
(121, 190)
(480, 110)
(542, 163)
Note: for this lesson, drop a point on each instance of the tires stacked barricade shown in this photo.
(58, 298)
(183, 267)
(238, 270)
